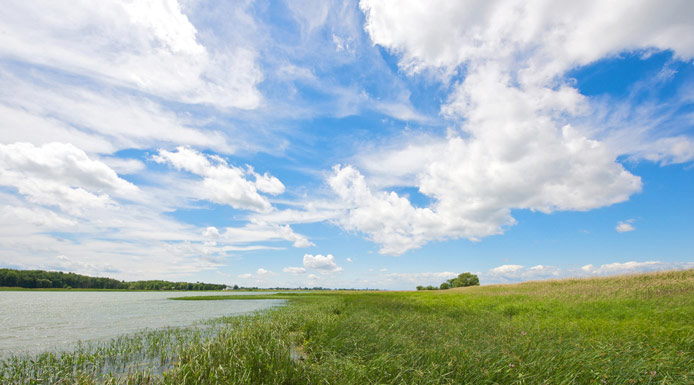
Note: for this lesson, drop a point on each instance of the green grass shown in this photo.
(621, 330)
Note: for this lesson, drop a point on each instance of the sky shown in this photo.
(370, 144)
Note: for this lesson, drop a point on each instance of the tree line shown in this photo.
(462, 280)
(36, 279)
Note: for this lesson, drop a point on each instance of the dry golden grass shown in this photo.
(645, 285)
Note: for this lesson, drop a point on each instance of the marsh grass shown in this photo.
(619, 330)
(124, 359)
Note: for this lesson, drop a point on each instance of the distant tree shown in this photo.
(420, 287)
(445, 286)
(464, 279)
(56, 279)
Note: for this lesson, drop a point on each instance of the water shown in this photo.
(35, 322)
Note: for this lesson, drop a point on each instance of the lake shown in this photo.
(39, 321)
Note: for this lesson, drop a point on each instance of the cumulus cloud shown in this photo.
(223, 183)
(245, 276)
(516, 144)
(321, 262)
(147, 45)
(211, 232)
(472, 201)
(552, 36)
(625, 226)
(294, 270)
(387, 218)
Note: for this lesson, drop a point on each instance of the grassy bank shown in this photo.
(622, 330)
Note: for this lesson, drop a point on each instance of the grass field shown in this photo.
(622, 330)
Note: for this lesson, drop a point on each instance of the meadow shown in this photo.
(635, 329)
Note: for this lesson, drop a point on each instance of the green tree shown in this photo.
(464, 279)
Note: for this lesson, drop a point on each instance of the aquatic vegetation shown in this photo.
(620, 330)
(146, 354)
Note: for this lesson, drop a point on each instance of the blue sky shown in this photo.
(374, 144)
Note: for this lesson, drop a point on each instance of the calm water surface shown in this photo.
(35, 322)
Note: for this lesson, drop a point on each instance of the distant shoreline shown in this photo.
(9, 288)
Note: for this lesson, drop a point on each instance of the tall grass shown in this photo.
(621, 330)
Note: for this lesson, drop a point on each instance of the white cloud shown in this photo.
(388, 219)
(506, 269)
(349, 260)
(222, 183)
(267, 183)
(679, 149)
(257, 231)
(294, 270)
(68, 203)
(313, 210)
(245, 276)
(145, 45)
(123, 166)
(263, 273)
(625, 226)
(321, 262)
(550, 37)
(634, 267)
(60, 174)
(37, 216)
(515, 146)
(518, 273)
(40, 109)
(424, 278)
(473, 201)
(211, 232)
(514, 273)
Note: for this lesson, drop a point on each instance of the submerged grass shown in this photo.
(621, 330)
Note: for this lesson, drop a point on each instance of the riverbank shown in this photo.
(619, 330)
